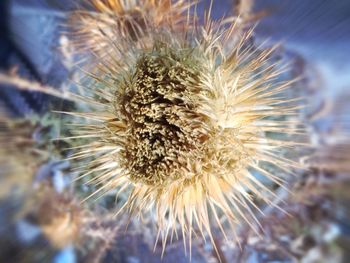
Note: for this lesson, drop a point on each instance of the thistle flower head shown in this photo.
(181, 120)
(115, 20)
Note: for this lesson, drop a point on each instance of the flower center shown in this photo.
(164, 126)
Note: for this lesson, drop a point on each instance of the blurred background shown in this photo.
(41, 218)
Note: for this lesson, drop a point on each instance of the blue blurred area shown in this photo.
(29, 43)
(66, 255)
(11, 55)
(318, 30)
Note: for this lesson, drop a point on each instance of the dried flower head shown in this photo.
(109, 21)
(181, 120)
(19, 157)
(59, 217)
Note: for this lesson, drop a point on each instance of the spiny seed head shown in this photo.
(117, 20)
(182, 119)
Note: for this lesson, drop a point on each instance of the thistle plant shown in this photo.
(181, 120)
(111, 21)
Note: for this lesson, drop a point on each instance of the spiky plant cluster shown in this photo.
(180, 122)
(115, 20)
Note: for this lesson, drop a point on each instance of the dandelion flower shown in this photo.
(179, 122)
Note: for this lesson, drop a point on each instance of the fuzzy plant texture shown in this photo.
(182, 115)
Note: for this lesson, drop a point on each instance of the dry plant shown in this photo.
(182, 117)
(180, 120)
(111, 21)
(59, 216)
(20, 157)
